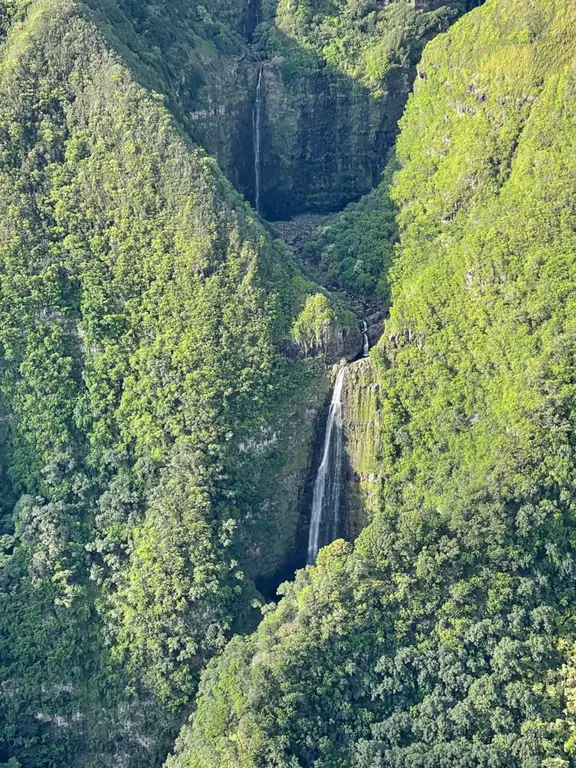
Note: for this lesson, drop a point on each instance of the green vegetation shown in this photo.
(142, 313)
(162, 362)
(314, 325)
(363, 39)
(354, 249)
(337, 81)
(445, 638)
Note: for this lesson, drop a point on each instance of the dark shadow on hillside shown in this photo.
(296, 558)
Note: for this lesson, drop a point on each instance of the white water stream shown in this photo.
(366, 340)
(326, 501)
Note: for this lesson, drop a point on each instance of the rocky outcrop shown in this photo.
(342, 344)
(332, 342)
(375, 323)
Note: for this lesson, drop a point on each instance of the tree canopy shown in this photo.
(444, 638)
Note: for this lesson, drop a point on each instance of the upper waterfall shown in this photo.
(257, 137)
(326, 501)
(251, 18)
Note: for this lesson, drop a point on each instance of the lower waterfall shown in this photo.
(326, 501)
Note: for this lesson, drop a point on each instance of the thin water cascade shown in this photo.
(326, 501)
(257, 134)
(365, 339)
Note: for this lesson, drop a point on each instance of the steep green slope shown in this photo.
(152, 439)
(441, 640)
(196, 55)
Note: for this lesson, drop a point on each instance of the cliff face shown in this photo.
(338, 78)
(292, 457)
(325, 139)
(280, 462)
(361, 405)
(335, 83)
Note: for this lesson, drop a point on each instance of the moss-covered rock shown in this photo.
(361, 419)
(280, 461)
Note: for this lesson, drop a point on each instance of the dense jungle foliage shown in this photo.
(363, 39)
(143, 310)
(353, 250)
(162, 363)
(445, 637)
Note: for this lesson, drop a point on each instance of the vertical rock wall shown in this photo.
(279, 463)
(361, 405)
(326, 140)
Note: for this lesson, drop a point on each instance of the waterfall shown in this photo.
(366, 344)
(257, 134)
(325, 518)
